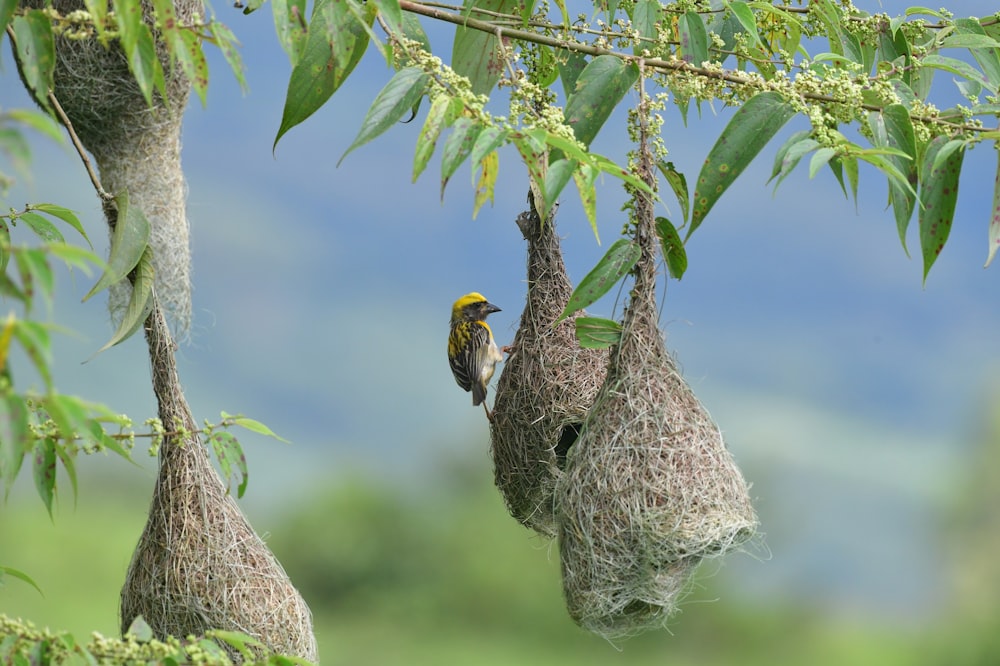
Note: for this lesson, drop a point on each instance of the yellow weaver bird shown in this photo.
(472, 352)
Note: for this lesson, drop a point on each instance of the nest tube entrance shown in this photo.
(547, 386)
(650, 489)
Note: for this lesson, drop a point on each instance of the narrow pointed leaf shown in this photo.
(476, 55)
(487, 142)
(672, 247)
(229, 453)
(392, 103)
(43, 467)
(36, 52)
(21, 576)
(429, 133)
(290, 25)
(34, 339)
(334, 45)
(557, 177)
(64, 214)
(613, 266)
(597, 332)
(533, 155)
(140, 303)
(753, 125)
(987, 57)
(252, 425)
(42, 227)
(645, 15)
(457, 148)
(14, 438)
(585, 177)
(38, 121)
(895, 123)
(486, 184)
(228, 46)
(994, 232)
(779, 157)
(128, 243)
(938, 196)
(746, 17)
(960, 68)
(678, 183)
(145, 65)
(599, 89)
(820, 159)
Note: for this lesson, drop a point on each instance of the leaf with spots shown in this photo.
(693, 38)
(678, 183)
(43, 467)
(489, 167)
(753, 125)
(597, 332)
(672, 247)
(429, 133)
(938, 196)
(335, 42)
(145, 65)
(584, 178)
(598, 90)
(457, 148)
(229, 453)
(613, 266)
(477, 55)
(994, 217)
(15, 439)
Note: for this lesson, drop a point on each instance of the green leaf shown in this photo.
(252, 425)
(533, 154)
(678, 183)
(7, 8)
(571, 65)
(672, 247)
(820, 159)
(960, 68)
(128, 243)
(457, 148)
(616, 263)
(64, 214)
(390, 105)
(389, 10)
(227, 43)
(746, 17)
(128, 14)
(15, 438)
(427, 139)
(239, 641)
(557, 177)
(597, 333)
(36, 52)
(43, 467)
(38, 121)
(938, 196)
(994, 232)
(20, 575)
(140, 303)
(33, 266)
(475, 54)
(69, 465)
(985, 55)
(145, 65)
(98, 10)
(599, 88)
(487, 142)
(229, 453)
(42, 227)
(335, 43)
(752, 126)
(290, 26)
(894, 129)
(694, 38)
(585, 178)
(76, 257)
(34, 339)
(645, 15)
(185, 48)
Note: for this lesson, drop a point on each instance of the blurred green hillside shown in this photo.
(444, 576)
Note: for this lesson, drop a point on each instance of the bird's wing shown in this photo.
(467, 364)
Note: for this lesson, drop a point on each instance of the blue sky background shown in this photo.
(849, 393)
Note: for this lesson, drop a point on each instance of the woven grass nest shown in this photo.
(650, 488)
(136, 147)
(199, 564)
(547, 386)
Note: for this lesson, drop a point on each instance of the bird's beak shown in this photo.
(490, 308)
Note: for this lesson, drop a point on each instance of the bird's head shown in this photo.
(472, 307)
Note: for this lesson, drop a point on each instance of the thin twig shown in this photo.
(81, 151)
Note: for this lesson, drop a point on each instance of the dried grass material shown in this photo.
(547, 386)
(649, 488)
(199, 564)
(136, 148)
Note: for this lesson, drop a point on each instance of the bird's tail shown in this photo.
(478, 394)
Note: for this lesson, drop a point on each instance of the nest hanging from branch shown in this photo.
(199, 564)
(650, 488)
(137, 147)
(547, 386)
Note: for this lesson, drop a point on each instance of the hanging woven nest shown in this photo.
(649, 488)
(547, 386)
(137, 146)
(199, 565)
